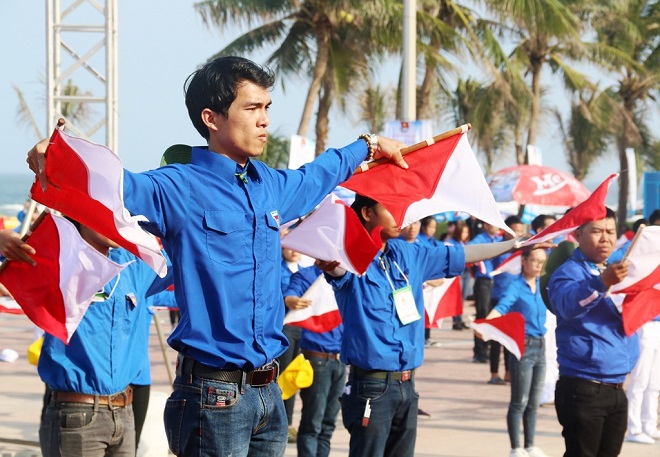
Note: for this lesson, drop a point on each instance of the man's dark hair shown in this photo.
(539, 221)
(511, 220)
(638, 223)
(215, 86)
(654, 218)
(362, 202)
(609, 214)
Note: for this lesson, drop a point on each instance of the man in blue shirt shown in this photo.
(593, 352)
(383, 332)
(88, 406)
(321, 399)
(219, 219)
(483, 287)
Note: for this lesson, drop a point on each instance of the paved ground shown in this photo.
(468, 415)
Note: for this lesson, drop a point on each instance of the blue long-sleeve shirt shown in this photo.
(519, 297)
(329, 341)
(591, 342)
(374, 337)
(222, 234)
(489, 264)
(109, 349)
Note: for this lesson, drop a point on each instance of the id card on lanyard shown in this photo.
(404, 300)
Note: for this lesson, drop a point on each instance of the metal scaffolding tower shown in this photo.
(82, 67)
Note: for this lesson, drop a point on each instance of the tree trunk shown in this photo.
(424, 100)
(322, 117)
(622, 144)
(320, 67)
(536, 106)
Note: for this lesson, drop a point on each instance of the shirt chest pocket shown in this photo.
(226, 243)
(273, 249)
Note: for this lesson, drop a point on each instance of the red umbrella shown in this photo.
(536, 185)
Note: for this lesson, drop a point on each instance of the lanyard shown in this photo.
(385, 266)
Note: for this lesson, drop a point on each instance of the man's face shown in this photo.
(378, 215)
(243, 133)
(597, 239)
(533, 263)
(492, 230)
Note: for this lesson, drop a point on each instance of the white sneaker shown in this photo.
(655, 434)
(518, 452)
(535, 452)
(641, 438)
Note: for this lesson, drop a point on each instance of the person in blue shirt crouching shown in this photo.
(383, 338)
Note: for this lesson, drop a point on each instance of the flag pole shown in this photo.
(25, 237)
(627, 254)
(422, 144)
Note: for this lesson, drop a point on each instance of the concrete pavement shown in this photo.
(468, 416)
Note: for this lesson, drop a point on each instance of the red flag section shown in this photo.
(592, 209)
(641, 287)
(334, 232)
(508, 330)
(442, 301)
(444, 176)
(56, 293)
(322, 315)
(85, 182)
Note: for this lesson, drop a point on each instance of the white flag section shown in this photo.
(442, 177)
(8, 305)
(508, 330)
(643, 256)
(434, 299)
(334, 232)
(322, 315)
(56, 293)
(86, 182)
(511, 265)
(301, 151)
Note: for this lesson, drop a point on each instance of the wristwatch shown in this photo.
(372, 143)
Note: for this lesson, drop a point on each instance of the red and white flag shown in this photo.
(56, 293)
(444, 176)
(442, 301)
(8, 305)
(592, 209)
(334, 232)
(508, 330)
(322, 315)
(511, 265)
(642, 285)
(86, 183)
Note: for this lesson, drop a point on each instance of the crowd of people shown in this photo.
(218, 218)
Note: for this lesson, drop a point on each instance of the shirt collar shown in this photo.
(222, 166)
(578, 256)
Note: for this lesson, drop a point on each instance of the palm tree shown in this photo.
(276, 152)
(314, 34)
(589, 130)
(548, 33)
(77, 112)
(633, 28)
(375, 106)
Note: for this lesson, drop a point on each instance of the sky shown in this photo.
(160, 44)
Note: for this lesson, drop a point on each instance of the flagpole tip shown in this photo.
(60, 123)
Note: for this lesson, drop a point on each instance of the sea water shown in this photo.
(14, 190)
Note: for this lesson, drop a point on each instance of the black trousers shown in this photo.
(483, 288)
(593, 416)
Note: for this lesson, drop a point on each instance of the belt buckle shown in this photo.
(117, 396)
(405, 375)
(262, 377)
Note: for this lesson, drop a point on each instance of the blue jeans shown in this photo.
(392, 427)
(527, 376)
(76, 429)
(320, 406)
(205, 417)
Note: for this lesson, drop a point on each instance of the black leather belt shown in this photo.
(393, 375)
(611, 385)
(256, 378)
(320, 355)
